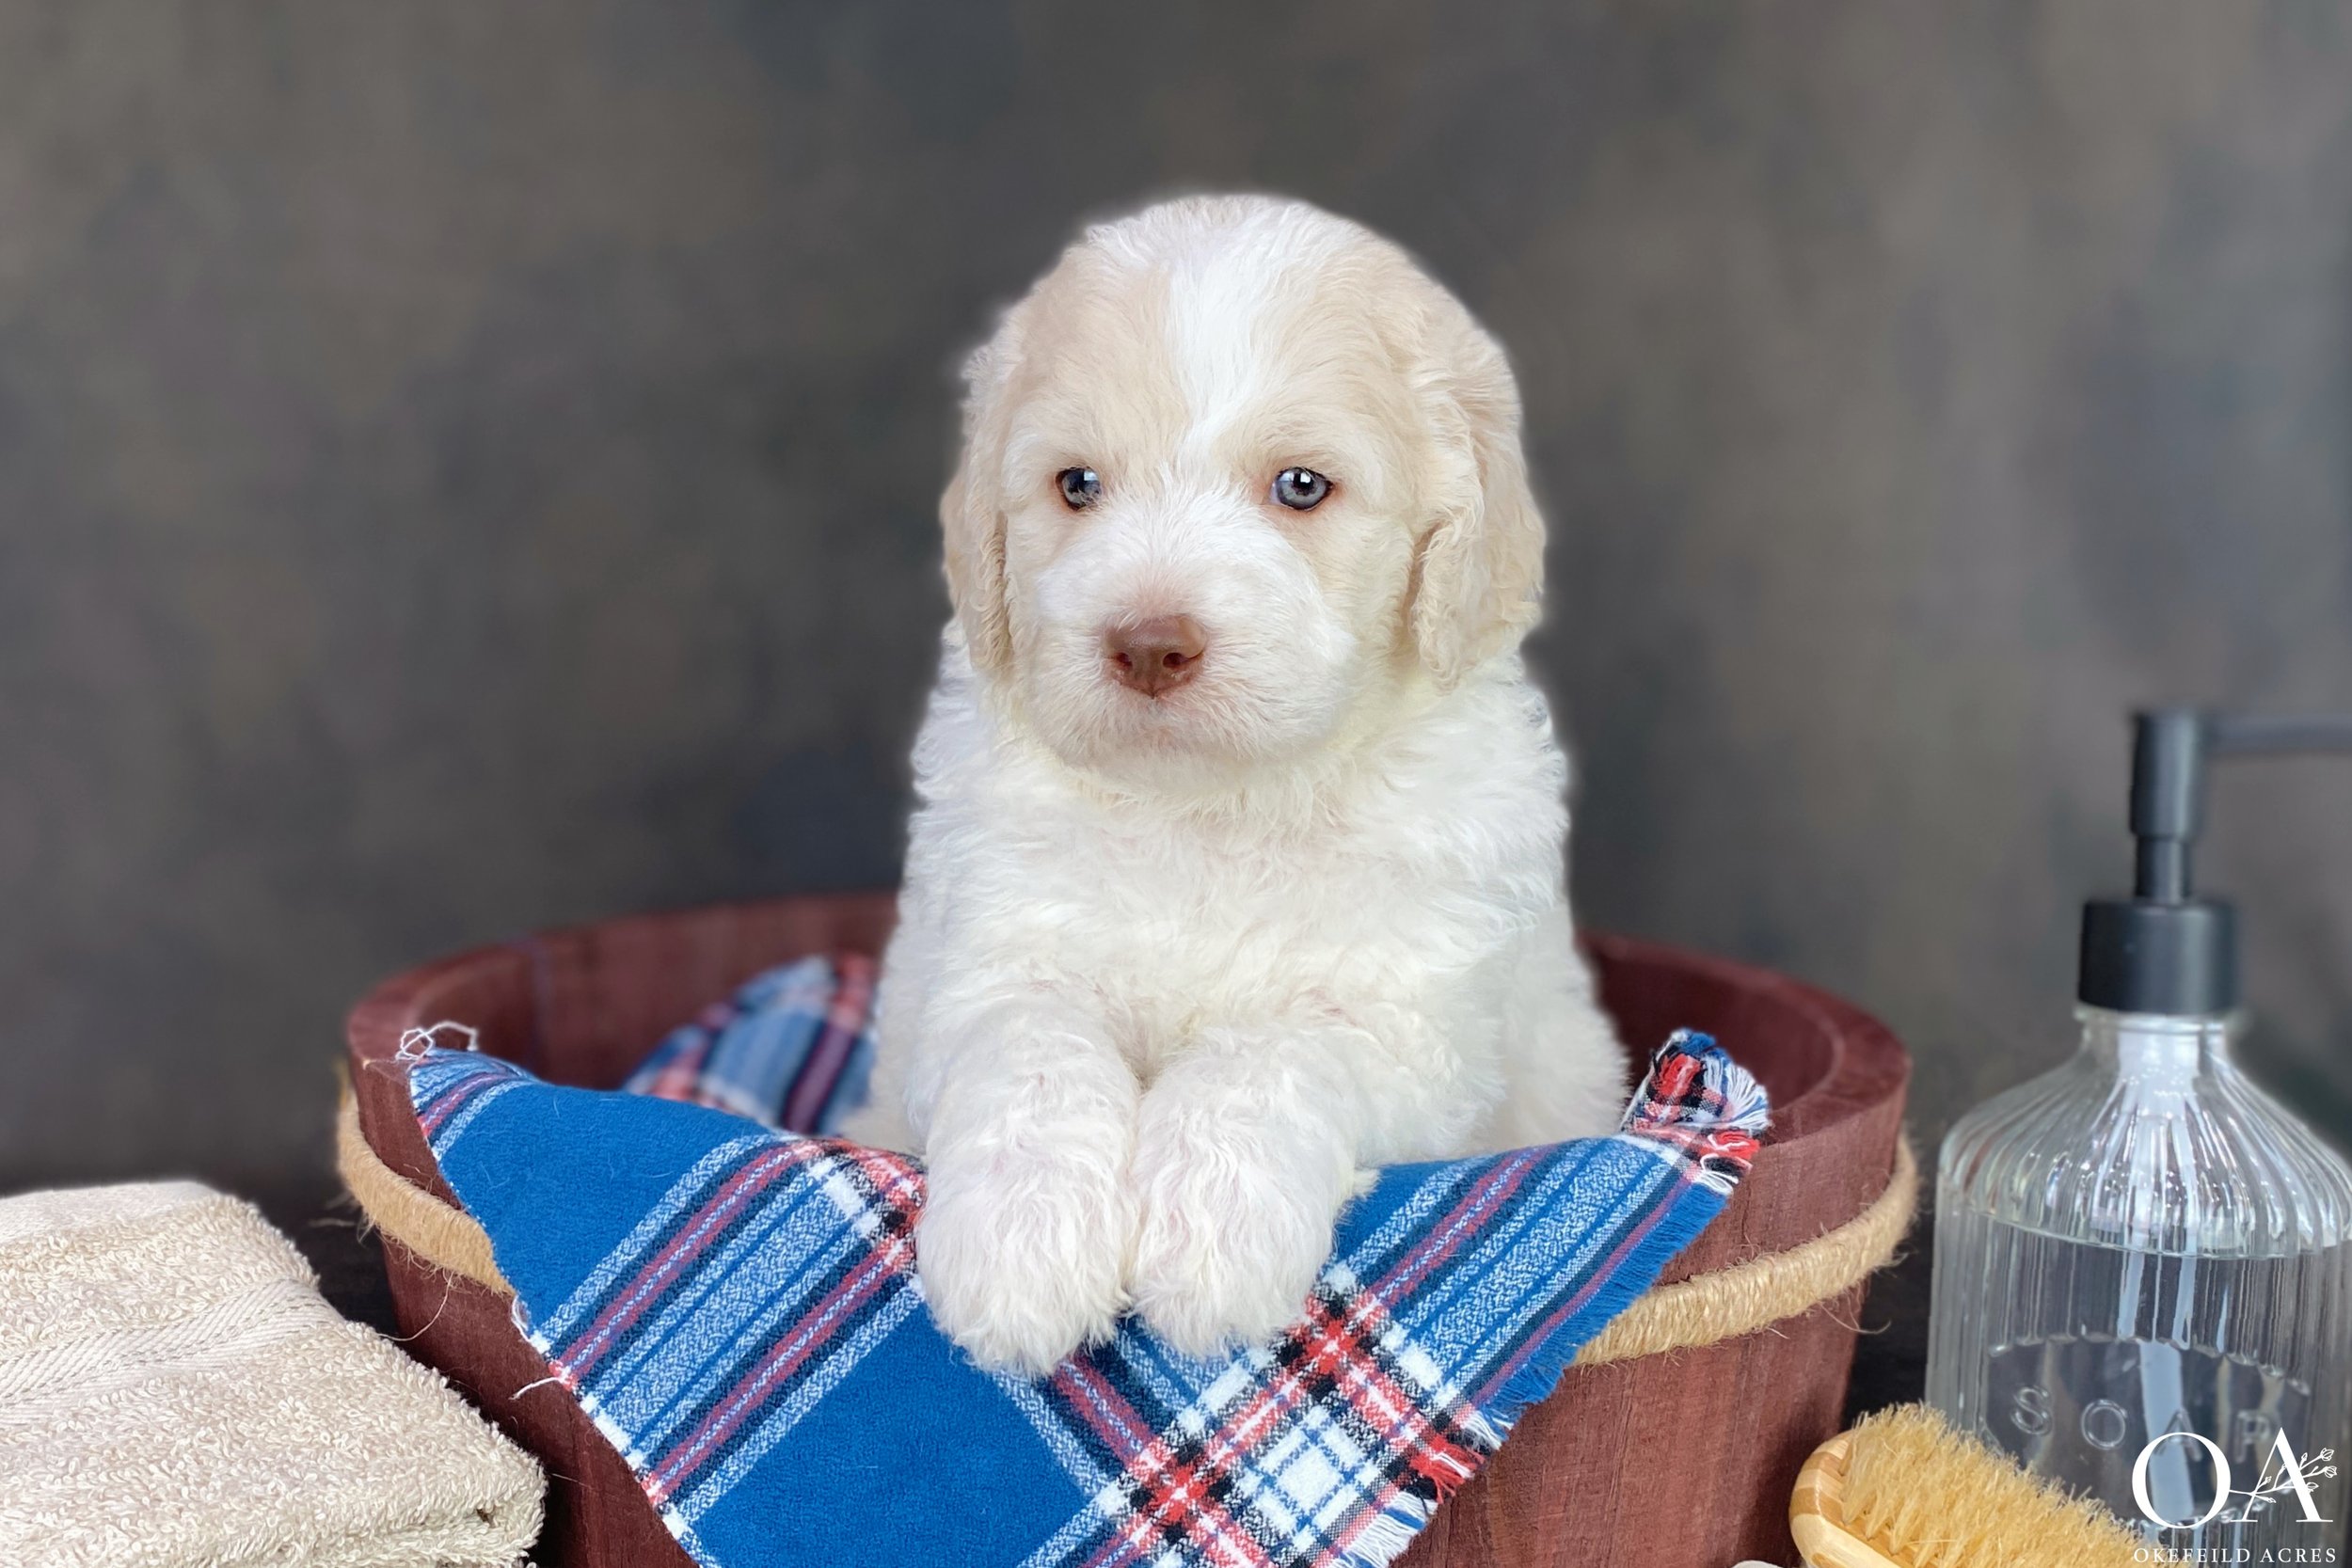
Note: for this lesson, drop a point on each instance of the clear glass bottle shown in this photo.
(2141, 1243)
(2144, 1263)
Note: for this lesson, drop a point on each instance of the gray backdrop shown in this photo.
(469, 467)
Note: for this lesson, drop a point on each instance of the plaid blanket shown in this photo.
(737, 1306)
(792, 1048)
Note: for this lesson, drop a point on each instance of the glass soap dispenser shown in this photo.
(2143, 1262)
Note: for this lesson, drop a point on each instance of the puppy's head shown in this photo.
(1236, 479)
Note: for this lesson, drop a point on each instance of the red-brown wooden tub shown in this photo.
(1676, 1460)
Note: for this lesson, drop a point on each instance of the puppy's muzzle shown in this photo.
(1155, 656)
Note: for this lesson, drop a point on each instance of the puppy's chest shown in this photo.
(1398, 893)
(1220, 895)
(1183, 925)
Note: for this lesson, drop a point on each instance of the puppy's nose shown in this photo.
(1155, 656)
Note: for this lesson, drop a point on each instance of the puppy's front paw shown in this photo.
(1228, 1247)
(1021, 1259)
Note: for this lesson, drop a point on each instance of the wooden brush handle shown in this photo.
(1817, 1514)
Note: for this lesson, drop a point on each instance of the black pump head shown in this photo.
(2165, 950)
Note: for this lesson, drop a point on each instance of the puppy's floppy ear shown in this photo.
(1481, 569)
(971, 508)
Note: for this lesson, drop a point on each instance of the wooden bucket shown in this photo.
(1672, 1444)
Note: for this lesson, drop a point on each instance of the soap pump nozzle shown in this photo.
(2165, 950)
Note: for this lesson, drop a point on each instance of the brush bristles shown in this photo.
(1928, 1497)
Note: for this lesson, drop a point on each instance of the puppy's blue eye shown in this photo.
(1300, 489)
(1080, 488)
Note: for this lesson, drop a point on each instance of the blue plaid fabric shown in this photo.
(737, 1306)
(792, 1048)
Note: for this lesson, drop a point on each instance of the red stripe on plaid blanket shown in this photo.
(1328, 1352)
(434, 1114)
(1488, 1193)
(1172, 1500)
(644, 1288)
(845, 1020)
(1594, 1280)
(681, 1076)
(892, 1256)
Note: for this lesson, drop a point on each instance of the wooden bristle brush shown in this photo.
(1903, 1490)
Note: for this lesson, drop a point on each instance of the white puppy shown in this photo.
(1238, 866)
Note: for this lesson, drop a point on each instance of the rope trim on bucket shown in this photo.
(443, 1235)
(1722, 1304)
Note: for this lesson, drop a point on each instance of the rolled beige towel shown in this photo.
(173, 1390)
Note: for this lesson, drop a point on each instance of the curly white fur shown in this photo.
(1172, 971)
